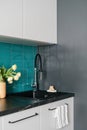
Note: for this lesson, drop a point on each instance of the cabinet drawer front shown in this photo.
(0, 123)
(28, 119)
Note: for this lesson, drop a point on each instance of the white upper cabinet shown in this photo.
(40, 20)
(11, 18)
(29, 20)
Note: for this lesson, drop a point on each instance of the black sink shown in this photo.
(40, 94)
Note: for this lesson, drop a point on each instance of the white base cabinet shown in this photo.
(38, 118)
(47, 120)
(25, 120)
(0, 123)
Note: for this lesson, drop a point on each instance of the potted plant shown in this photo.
(7, 75)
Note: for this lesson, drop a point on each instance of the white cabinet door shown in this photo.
(0, 123)
(11, 18)
(40, 20)
(47, 112)
(25, 120)
(47, 120)
(70, 104)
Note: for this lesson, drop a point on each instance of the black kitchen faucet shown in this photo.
(37, 71)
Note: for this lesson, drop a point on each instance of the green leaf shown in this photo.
(3, 70)
(1, 78)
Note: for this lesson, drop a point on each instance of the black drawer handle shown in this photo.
(12, 122)
(51, 109)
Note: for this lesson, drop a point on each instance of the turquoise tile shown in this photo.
(23, 56)
(4, 54)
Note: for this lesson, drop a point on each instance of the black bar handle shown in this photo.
(66, 104)
(12, 122)
(51, 109)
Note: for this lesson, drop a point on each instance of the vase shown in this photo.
(2, 89)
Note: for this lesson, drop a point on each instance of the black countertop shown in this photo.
(19, 102)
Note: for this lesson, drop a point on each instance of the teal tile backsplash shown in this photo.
(23, 56)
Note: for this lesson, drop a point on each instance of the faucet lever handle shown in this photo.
(40, 75)
(34, 85)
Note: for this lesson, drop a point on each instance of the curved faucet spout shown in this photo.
(38, 59)
(37, 70)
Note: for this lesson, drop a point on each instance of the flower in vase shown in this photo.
(9, 74)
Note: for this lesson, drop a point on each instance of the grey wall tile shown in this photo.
(65, 64)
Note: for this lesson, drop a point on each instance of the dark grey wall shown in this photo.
(65, 64)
